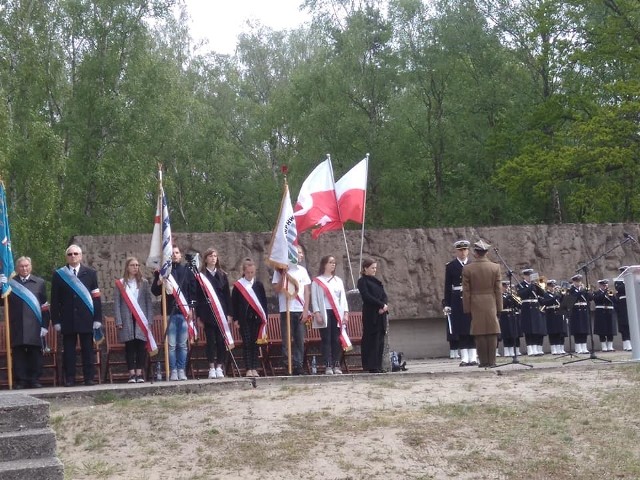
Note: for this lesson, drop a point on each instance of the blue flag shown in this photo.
(6, 257)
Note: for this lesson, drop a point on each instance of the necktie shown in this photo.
(75, 273)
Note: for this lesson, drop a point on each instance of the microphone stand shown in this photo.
(585, 269)
(516, 348)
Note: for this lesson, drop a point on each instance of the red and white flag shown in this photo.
(317, 205)
(351, 191)
(282, 248)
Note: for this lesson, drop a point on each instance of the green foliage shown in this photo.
(474, 113)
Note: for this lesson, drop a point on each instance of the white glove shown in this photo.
(57, 327)
(96, 325)
(447, 310)
(3, 278)
(43, 331)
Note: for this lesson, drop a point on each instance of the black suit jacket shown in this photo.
(68, 309)
(25, 328)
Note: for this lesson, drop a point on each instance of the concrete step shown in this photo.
(36, 469)
(22, 412)
(27, 444)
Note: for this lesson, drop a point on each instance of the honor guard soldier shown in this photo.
(604, 324)
(579, 320)
(509, 320)
(534, 326)
(556, 325)
(620, 306)
(459, 326)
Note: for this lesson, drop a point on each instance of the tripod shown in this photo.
(516, 348)
(585, 269)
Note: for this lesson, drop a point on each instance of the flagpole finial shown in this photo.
(328, 156)
(284, 169)
(367, 155)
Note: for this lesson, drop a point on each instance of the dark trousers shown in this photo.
(580, 338)
(330, 338)
(136, 354)
(249, 328)
(624, 331)
(216, 347)
(466, 342)
(27, 364)
(69, 356)
(372, 345)
(486, 347)
(556, 339)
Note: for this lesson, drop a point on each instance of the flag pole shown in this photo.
(344, 233)
(7, 270)
(164, 297)
(364, 212)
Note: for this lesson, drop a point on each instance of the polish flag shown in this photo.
(317, 205)
(351, 191)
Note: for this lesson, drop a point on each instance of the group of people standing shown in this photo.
(533, 308)
(193, 295)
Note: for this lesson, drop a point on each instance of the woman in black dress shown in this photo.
(374, 317)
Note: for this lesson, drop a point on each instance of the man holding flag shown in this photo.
(29, 318)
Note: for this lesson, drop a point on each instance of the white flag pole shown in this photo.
(364, 211)
(344, 233)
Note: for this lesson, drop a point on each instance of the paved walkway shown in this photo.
(423, 367)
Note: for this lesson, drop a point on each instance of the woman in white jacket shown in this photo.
(330, 312)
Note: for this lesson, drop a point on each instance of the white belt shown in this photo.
(553, 307)
(623, 296)
(457, 288)
(507, 309)
(580, 304)
(603, 307)
(529, 300)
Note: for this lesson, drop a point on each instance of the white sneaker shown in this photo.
(212, 373)
(337, 370)
(181, 375)
(328, 371)
(219, 372)
(174, 375)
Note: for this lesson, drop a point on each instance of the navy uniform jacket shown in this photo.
(460, 321)
(621, 304)
(604, 323)
(533, 323)
(579, 320)
(68, 309)
(25, 327)
(220, 284)
(509, 317)
(556, 324)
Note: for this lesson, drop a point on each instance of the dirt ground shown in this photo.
(436, 421)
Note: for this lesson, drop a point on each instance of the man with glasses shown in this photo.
(76, 310)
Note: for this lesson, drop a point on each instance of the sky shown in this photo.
(221, 21)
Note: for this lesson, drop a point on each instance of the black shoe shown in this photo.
(36, 385)
(473, 363)
(464, 364)
(89, 383)
(70, 383)
(19, 386)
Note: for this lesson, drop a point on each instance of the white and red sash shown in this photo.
(218, 311)
(138, 315)
(345, 341)
(246, 289)
(181, 301)
(289, 279)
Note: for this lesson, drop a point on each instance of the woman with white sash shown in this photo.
(134, 316)
(249, 306)
(330, 312)
(216, 348)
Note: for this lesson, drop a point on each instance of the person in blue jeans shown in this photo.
(180, 290)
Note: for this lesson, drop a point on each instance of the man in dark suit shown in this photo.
(76, 310)
(482, 298)
(459, 325)
(29, 320)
